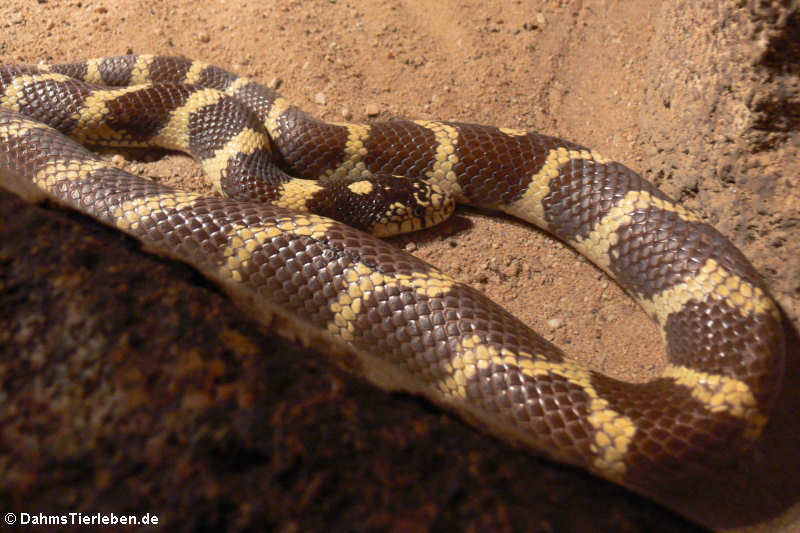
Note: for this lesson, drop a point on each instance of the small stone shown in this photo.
(555, 323)
(320, 98)
(204, 37)
(274, 83)
(346, 113)
(410, 247)
(118, 161)
(372, 110)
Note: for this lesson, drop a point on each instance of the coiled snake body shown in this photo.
(404, 325)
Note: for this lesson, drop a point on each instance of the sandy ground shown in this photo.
(580, 70)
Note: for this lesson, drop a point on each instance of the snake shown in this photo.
(269, 239)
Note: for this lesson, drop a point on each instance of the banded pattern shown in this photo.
(407, 326)
(226, 137)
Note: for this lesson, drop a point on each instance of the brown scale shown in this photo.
(659, 249)
(211, 128)
(400, 147)
(252, 177)
(53, 101)
(119, 72)
(309, 147)
(585, 191)
(506, 178)
(114, 71)
(717, 339)
(675, 438)
(552, 408)
(124, 111)
(171, 70)
(215, 77)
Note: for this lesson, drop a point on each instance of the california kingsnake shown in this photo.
(404, 325)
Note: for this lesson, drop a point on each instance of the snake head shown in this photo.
(385, 205)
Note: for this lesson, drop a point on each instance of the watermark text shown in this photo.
(80, 519)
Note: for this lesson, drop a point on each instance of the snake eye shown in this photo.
(419, 211)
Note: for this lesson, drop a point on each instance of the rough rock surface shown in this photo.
(131, 386)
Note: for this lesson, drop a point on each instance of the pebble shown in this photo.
(320, 98)
(372, 110)
(204, 37)
(555, 323)
(346, 113)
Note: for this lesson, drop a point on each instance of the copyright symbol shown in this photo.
(10, 518)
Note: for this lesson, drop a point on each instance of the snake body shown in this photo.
(399, 322)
